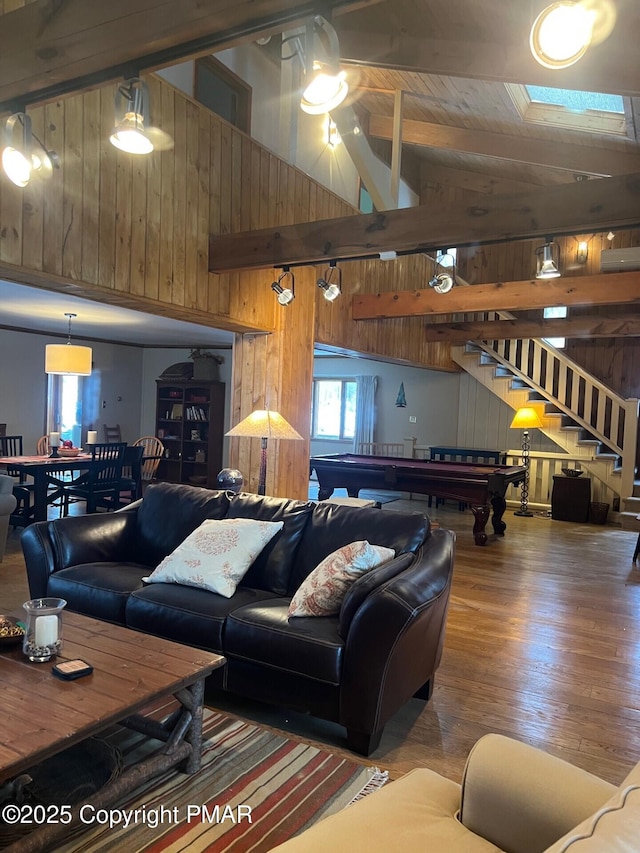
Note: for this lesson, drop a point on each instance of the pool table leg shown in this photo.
(499, 505)
(480, 516)
(323, 494)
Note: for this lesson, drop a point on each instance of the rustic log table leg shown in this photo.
(480, 517)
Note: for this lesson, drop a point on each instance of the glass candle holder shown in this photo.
(43, 632)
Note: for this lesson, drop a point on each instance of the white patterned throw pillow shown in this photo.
(323, 590)
(217, 555)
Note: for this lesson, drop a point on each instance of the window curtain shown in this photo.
(365, 410)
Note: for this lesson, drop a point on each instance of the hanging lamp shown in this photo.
(67, 359)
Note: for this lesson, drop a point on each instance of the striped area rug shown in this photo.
(255, 789)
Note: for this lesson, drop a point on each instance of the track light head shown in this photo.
(331, 282)
(23, 155)
(442, 282)
(325, 84)
(284, 295)
(133, 132)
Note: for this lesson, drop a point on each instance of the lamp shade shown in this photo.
(67, 360)
(265, 424)
(526, 418)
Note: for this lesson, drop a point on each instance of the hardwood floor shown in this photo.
(542, 644)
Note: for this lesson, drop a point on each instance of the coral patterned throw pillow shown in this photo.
(322, 591)
(217, 555)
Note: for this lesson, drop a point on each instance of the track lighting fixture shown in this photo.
(331, 282)
(23, 155)
(325, 85)
(548, 260)
(133, 132)
(443, 282)
(285, 295)
(563, 31)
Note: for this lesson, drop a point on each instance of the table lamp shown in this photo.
(264, 424)
(525, 418)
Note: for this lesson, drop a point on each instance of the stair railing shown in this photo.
(610, 418)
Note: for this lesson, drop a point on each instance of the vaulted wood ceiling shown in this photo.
(452, 59)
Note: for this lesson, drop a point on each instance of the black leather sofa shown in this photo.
(356, 668)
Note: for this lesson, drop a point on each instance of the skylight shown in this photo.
(575, 100)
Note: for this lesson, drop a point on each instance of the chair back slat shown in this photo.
(11, 445)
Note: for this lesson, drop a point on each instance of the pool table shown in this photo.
(481, 486)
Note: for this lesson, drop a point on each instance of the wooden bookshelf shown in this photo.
(190, 424)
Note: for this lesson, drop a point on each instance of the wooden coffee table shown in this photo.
(40, 715)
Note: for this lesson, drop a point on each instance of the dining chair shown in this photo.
(153, 453)
(11, 445)
(112, 434)
(99, 483)
(43, 447)
(130, 488)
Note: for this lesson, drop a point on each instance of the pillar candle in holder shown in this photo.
(54, 442)
(92, 436)
(43, 631)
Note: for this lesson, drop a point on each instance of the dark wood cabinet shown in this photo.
(570, 498)
(190, 424)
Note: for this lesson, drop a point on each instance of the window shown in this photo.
(333, 413)
(595, 112)
(64, 407)
(222, 92)
(558, 311)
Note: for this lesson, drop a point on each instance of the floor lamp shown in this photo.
(525, 418)
(264, 425)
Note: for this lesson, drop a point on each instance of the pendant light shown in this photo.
(67, 359)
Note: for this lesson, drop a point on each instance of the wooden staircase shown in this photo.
(581, 415)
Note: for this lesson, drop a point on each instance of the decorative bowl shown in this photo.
(572, 472)
(11, 633)
(69, 452)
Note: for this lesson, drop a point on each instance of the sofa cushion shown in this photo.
(272, 569)
(331, 527)
(415, 814)
(98, 589)
(321, 593)
(186, 614)
(262, 633)
(168, 513)
(217, 554)
(614, 828)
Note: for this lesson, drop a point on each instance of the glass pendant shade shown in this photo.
(67, 360)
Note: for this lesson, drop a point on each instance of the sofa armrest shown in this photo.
(395, 638)
(522, 799)
(49, 546)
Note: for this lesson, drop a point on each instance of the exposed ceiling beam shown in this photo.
(50, 48)
(599, 326)
(604, 289)
(609, 67)
(576, 208)
(537, 152)
(433, 175)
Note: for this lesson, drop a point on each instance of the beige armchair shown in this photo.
(513, 799)
(7, 506)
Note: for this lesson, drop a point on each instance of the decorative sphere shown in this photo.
(230, 479)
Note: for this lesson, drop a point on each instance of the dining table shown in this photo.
(39, 468)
